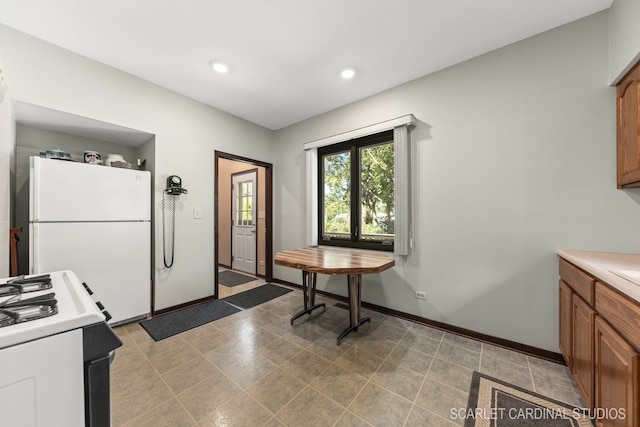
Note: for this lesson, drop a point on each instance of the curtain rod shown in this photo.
(409, 120)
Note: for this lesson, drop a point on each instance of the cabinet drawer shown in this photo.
(580, 282)
(622, 313)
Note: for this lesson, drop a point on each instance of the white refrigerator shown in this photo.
(96, 221)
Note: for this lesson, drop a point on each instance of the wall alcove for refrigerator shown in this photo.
(39, 129)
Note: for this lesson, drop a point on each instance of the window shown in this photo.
(397, 131)
(356, 203)
(244, 203)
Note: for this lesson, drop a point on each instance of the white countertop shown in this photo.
(601, 265)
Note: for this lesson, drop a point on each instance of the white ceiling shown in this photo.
(286, 55)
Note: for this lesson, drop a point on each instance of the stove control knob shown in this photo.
(100, 306)
(106, 314)
(87, 288)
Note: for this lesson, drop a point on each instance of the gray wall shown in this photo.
(514, 158)
(187, 133)
(624, 37)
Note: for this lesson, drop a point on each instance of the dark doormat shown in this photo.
(256, 296)
(170, 324)
(495, 403)
(231, 278)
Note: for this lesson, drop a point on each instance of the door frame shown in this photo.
(255, 197)
(268, 204)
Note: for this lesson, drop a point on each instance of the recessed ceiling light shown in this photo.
(219, 66)
(348, 73)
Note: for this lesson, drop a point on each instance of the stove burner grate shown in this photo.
(16, 310)
(22, 285)
(25, 314)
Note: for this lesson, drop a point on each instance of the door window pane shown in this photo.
(244, 203)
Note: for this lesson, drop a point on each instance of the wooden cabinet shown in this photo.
(565, 322)
(577, 317)
(617, 373)
(628, 129)
(600, 341)
(583, 318)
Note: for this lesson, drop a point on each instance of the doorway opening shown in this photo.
(243, 222)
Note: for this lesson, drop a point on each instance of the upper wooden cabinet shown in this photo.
(628, 129)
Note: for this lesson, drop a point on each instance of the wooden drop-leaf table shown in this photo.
(330, 261)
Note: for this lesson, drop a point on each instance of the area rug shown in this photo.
(170, 324)
(495, 403)
(256, 296)
(231, 278)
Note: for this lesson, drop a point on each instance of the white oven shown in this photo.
(55, 351)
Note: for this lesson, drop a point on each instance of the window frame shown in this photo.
(353, 146)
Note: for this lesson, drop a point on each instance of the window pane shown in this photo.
(249, 210)
(376, 192)
(244, 203)
(337, 193)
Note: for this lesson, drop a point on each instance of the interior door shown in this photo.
(244, 222)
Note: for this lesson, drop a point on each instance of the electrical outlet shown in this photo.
(421, 295)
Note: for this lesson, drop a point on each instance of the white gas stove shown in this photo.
(75, 309)
(55, 351)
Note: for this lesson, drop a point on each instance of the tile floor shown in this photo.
(253, 368)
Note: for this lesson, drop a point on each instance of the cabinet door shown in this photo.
(628, 133)
(617, 377)
(583, 364)
(566, 325)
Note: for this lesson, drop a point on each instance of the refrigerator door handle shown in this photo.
(33, 248)
(34, 188)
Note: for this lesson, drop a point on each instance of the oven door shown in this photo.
(99, 344)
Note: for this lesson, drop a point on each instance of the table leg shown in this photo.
(308, 294)
(355, 298)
